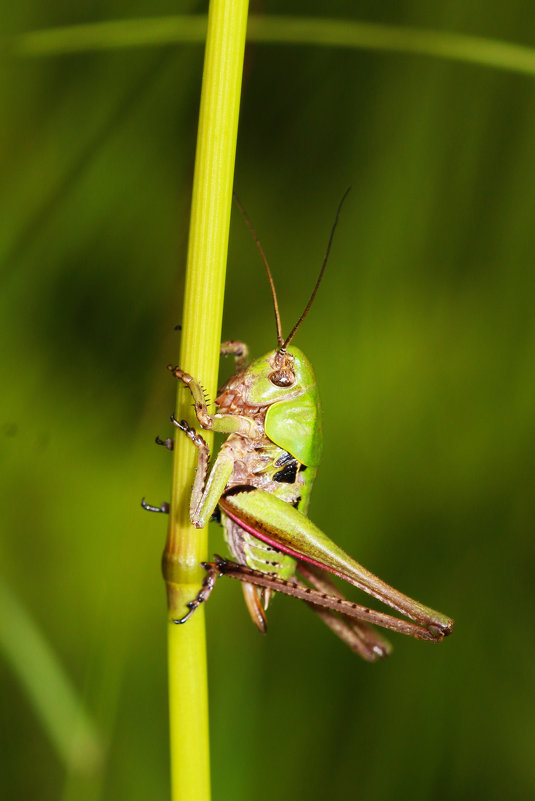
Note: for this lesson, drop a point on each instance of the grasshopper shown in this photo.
(260, 485)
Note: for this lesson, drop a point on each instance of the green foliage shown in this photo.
(422, 340)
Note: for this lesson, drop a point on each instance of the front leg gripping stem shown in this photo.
(220, 423)
(201, 410)
(203, 455)
(190, 433)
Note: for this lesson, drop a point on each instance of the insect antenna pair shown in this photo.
(281, 341)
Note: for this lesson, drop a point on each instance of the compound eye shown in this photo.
(282, 378)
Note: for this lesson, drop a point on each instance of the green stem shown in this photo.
(186, 547)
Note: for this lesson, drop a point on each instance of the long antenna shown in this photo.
(320, 276)
(280, 338)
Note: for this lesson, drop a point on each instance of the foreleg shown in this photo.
(221, 423)
(239, 350)
(205, 494)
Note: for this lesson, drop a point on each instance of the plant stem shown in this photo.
(186, 547)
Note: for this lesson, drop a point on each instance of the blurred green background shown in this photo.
(422, 337)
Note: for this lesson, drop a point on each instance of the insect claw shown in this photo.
(382, 651)
(192, 606)
(163, 509)
(177, 372)
(182, 424)
(438, 632)
(168, 443)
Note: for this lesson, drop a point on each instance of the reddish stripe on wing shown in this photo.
(284, 548)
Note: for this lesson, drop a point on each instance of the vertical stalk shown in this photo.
(186, 547)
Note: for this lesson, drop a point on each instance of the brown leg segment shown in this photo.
(201, 410)
(239, 350)
(208, 585)
(254, 605)
(203, 455)
(360, 637)
(221, 423)
(327, 600)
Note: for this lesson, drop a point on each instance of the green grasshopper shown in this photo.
(261, 483)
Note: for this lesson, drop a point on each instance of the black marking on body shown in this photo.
(237, 489)
(288, 474)
(290, 468)
(284, 459)
(296, 503)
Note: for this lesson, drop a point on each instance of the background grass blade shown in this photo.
(48, 687)
(313, 32)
